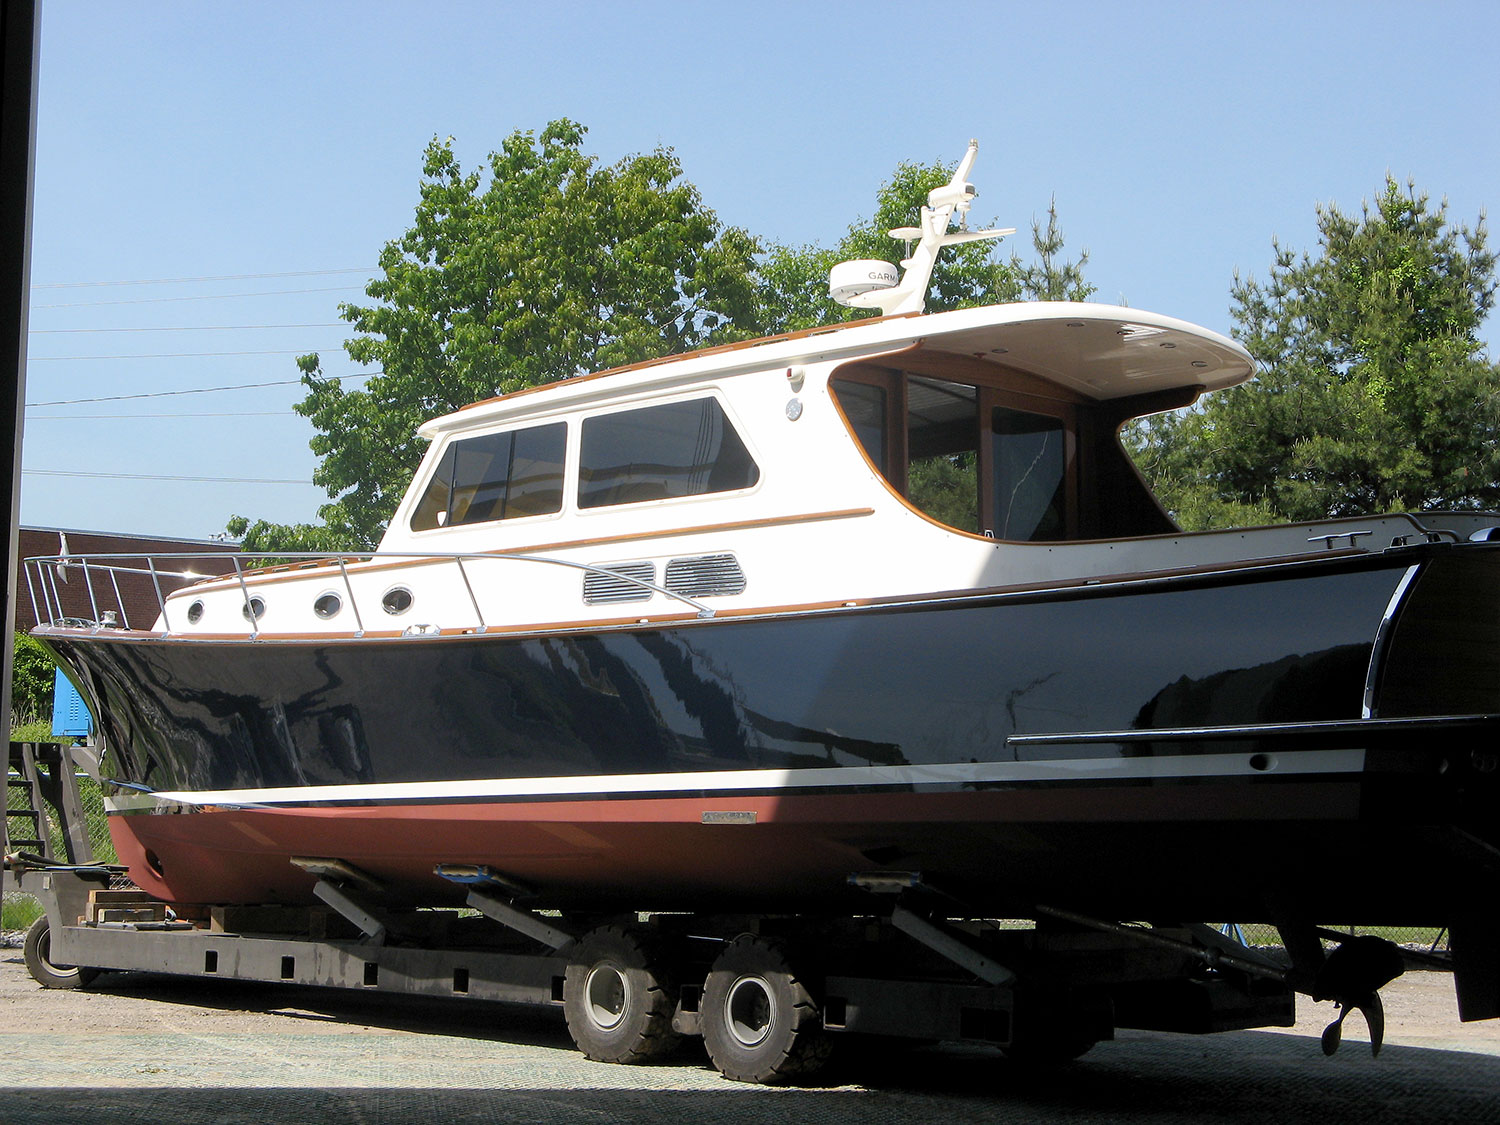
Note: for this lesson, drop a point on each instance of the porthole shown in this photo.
(328, 605)
(255, 610)
(195, 613)
(397, 600)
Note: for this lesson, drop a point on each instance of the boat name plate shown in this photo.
(729, 816)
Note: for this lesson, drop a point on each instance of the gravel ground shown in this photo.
(141, 1048)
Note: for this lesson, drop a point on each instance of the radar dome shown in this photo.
(848, 280)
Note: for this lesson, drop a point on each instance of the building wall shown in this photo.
(136, 603)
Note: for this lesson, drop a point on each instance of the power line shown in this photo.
(155, 476)
(201, 297)
(185, 328)
(195, 390)
(184, 280)
(128, 417)
(162, 355)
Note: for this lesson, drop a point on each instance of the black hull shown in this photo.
(625, 765)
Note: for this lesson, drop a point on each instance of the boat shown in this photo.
(726, 630)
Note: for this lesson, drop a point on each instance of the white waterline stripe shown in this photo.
(732, 781)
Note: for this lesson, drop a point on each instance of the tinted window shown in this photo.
(942, 438)
(659, 452)
(1030, 475)
(496, 477)
(864, 406)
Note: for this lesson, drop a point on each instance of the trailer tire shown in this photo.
(759, 1021)
(619, 996)
(37, 951)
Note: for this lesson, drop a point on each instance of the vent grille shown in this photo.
(601, 587)
(706, 576)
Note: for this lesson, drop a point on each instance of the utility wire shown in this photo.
(154, 476)
(201, 297)
(128, 417)
(184, 328)
(195, 390)
(163, 355)
(184, 280)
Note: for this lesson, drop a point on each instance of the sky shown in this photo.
(213, 179)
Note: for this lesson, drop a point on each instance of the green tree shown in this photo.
(262, 535)
(1373, 392)
(32, 678)
(793, 281)
(1051, 277)
(548, 266)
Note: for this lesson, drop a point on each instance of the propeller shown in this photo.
(1351, 978)
(1373, 1011)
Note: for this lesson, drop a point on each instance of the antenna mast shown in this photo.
(872, 285)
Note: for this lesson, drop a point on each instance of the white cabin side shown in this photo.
(781, 475)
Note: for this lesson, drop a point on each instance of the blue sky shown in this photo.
(268, 144)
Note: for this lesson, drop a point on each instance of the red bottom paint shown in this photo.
(1190, 850)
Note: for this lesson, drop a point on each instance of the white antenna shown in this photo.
(871, 284)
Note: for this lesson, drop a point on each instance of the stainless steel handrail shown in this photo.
(359, 621)
(48, 568)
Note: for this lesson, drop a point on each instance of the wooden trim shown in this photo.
(280, 574)
(704, 529)
(701, 353)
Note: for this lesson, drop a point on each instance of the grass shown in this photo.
(19, 911)
(32, 730)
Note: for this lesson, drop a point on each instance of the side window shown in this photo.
(967, 454)
(661, 452)
(1030, 475)
(864, 404)
(496, 477)
(942, 438)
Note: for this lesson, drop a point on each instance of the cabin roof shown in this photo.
(1098, 351)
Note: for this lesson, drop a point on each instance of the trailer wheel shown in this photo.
(619, 996)
(37, 950)
(759, 1021)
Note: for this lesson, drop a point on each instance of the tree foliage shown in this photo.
(1052, 277)
(1373, 391)
(262, 535)
(547, 266)
(32, 678)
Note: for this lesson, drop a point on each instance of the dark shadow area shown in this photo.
(1239, 1076)
(1251, 1079)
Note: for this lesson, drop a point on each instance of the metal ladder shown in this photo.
(39, 774)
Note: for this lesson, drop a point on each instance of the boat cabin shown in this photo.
(991, 451)
(850, 464)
